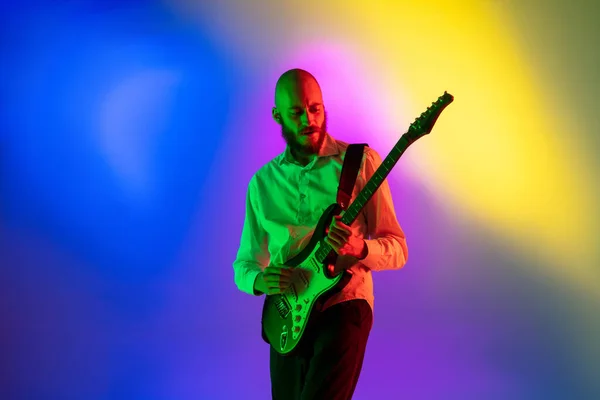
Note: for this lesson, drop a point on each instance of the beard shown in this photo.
(309, 148)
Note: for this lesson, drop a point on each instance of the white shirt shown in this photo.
(284, 203)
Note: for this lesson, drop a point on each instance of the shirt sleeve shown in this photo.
(253, 255)
(386, 243)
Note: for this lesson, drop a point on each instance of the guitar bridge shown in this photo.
(283, 307)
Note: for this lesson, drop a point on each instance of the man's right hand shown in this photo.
(274, 279)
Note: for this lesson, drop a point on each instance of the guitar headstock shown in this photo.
(425, 122)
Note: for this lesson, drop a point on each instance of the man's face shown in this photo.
(303, 118)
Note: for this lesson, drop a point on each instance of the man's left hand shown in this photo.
(343, 241)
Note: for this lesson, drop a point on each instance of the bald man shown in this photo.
(285, 200)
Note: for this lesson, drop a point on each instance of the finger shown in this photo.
(270, 272)
(283, 282)
(287, 275)
(275, 280)
(334, 270)
(270, 276)
(333, 242)
(333, 245)
(340, 227)
(272, 281)
(332, 224)
(342, 237)
(286, 271)
(340, 240)
(277, 288)
(330, 241)
(338, 222)
(277, 270)
(343, 229)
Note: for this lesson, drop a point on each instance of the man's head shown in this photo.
(300, 111)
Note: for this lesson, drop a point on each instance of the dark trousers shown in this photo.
(329, 357)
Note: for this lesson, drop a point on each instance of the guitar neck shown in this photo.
(376, 180)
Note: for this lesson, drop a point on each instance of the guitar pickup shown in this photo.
(303, 278)
(292, 289)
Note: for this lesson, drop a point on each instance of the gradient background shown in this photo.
(129, 131)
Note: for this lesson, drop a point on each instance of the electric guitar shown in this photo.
(285, 315)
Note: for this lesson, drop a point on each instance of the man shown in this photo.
(285, 200)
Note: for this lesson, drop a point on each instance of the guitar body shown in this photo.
(285, 316)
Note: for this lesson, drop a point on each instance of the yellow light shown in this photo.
(498, 153)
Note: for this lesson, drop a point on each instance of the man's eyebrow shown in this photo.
(311, 105)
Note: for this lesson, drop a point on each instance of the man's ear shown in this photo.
(276, 115)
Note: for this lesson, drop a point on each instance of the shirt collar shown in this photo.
(329, 148)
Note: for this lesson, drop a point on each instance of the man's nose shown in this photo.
(307, 119)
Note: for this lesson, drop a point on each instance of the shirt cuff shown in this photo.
(247, 283)
(373, 257)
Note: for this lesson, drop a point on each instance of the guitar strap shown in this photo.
(352, 162)
(350, 168)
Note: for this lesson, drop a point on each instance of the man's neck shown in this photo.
(303, 158)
